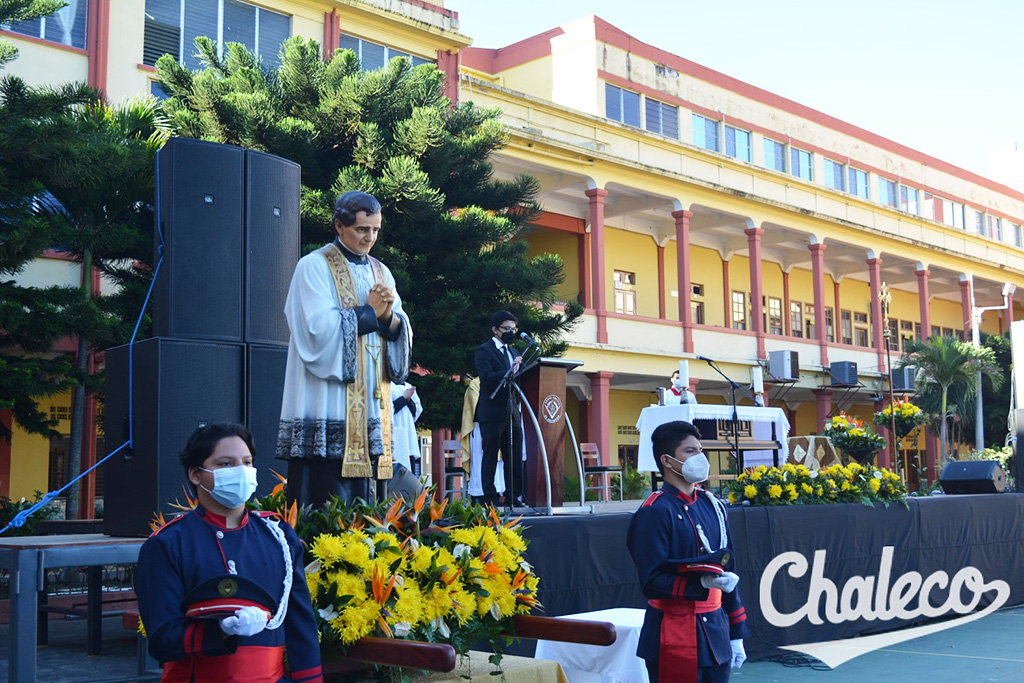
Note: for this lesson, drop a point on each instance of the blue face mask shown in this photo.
(232, 486)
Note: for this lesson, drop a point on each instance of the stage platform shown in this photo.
(867, 553)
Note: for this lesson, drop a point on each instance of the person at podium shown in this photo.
(497, 364)
(350, 338)
(680, 543)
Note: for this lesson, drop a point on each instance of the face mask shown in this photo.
(232, 486)
(694, 469)
(677, 383)
(508, 337)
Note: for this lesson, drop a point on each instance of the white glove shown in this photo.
(739, 655)
(245, 622)
(726, 582)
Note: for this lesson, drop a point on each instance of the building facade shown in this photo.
(694, 214)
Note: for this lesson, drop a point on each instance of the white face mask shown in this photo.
(232, 486)
(694, 469)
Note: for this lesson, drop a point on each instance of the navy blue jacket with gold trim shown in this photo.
(665, 529)
(197, 546)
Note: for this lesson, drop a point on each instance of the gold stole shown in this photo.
(356, 460)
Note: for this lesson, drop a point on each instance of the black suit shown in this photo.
(493, 416)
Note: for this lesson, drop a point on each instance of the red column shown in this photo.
(694, 381)
(931, 445)
(661, 282)
(98, 22)
(884, 459)
(598, 276)
(922, 302)
(756, 287)
(600, 413)
(448, 64)
(1008, 315)
(965, 304)
(682, 219)
(823, 403)
(332, 37)
(875, 272)
(787, 322)
(818, 274)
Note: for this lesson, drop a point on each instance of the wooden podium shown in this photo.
(543, 383)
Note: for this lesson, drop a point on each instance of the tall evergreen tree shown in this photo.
(450, 227)
(33, 135)
(105, 218)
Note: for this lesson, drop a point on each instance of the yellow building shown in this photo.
(700, 215)
(695, 214)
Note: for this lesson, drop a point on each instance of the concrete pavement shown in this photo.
(990, 649)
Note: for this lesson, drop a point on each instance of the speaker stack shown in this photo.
(229, 219)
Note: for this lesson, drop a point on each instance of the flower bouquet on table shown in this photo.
(907, 415)
(797, 485)
(855, 439)
(439, 573)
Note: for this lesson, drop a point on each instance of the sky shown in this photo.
(943, 77)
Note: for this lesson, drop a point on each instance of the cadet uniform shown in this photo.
(197, 547)
(674, 540)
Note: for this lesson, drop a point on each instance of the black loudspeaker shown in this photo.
(178, 386)
(272, 191)
(198, 293)
(973, 476)
(263, 393)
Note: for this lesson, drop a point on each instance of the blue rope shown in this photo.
(20, 518)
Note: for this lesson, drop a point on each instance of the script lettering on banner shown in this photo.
(875, 598)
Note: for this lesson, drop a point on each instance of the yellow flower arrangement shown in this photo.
(851, 436)
(908, 417)
(796, 484)
(416, 571)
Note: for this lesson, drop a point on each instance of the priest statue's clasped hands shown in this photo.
(349, 340)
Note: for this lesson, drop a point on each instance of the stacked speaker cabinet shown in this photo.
(229, 220)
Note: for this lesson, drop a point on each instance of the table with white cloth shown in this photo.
(767, 424)
(616, 663)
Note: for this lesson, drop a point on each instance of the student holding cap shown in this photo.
(222, 592)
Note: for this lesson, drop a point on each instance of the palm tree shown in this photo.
(953, 365)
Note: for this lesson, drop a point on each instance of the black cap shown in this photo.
(221, 596)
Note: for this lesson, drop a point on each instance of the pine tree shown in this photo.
(23, 10)
(105, 219)
(33, 134)
(450, 228)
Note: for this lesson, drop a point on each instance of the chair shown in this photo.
(592, 467)
(451, 451)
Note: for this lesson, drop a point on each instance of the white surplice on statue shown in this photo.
(323, 359)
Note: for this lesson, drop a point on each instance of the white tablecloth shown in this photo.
(617, 662)
(762, 419)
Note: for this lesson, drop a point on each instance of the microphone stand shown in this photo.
(733, 386)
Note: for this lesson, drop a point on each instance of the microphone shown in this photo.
(705, 359)
(527, 338)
